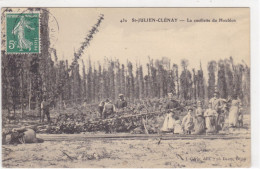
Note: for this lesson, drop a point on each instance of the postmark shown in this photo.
(22, 33)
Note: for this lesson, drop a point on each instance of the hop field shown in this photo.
(137, 118)
(113, 151)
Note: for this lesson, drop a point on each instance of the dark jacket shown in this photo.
(172, 104)
(121, 104)
(45, 106)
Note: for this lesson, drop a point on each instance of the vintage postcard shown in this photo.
(125, 87)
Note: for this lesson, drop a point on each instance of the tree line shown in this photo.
(23, 81)
(28, 78)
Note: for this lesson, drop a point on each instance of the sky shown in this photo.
(194, 41)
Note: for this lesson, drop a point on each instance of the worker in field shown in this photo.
(188, 122)
(45, 109)
(177, 128)
(20, 136)
(240, 119)
(210, 119)
(168, 123)
(199, 120)
(217, 104)
(101, 108)
(109, 109)
(121, 102)
(234, 112)
(215, 101)
(171, 106)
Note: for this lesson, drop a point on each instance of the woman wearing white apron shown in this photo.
(234, 112)
(210, 119)
(168, 123)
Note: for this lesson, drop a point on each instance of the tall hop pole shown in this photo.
(78, 54)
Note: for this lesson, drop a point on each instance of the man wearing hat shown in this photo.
(121, 102)
(215, 101)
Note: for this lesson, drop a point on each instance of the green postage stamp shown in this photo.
(22, 33)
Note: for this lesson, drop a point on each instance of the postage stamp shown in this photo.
(22, 33)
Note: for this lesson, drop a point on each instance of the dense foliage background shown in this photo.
(27, 78)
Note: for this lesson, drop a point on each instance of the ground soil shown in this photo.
(65, 150)
(130, 153)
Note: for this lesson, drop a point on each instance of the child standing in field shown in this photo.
(240, 119)
(177, 128)
(187, 122)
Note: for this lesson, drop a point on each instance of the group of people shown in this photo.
(198, 120)
(107, 108)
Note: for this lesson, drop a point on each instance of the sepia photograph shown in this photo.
(125, 87)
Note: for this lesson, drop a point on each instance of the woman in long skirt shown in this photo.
(210, 119)
(234, 112)
(199, 122)
(168, 123)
